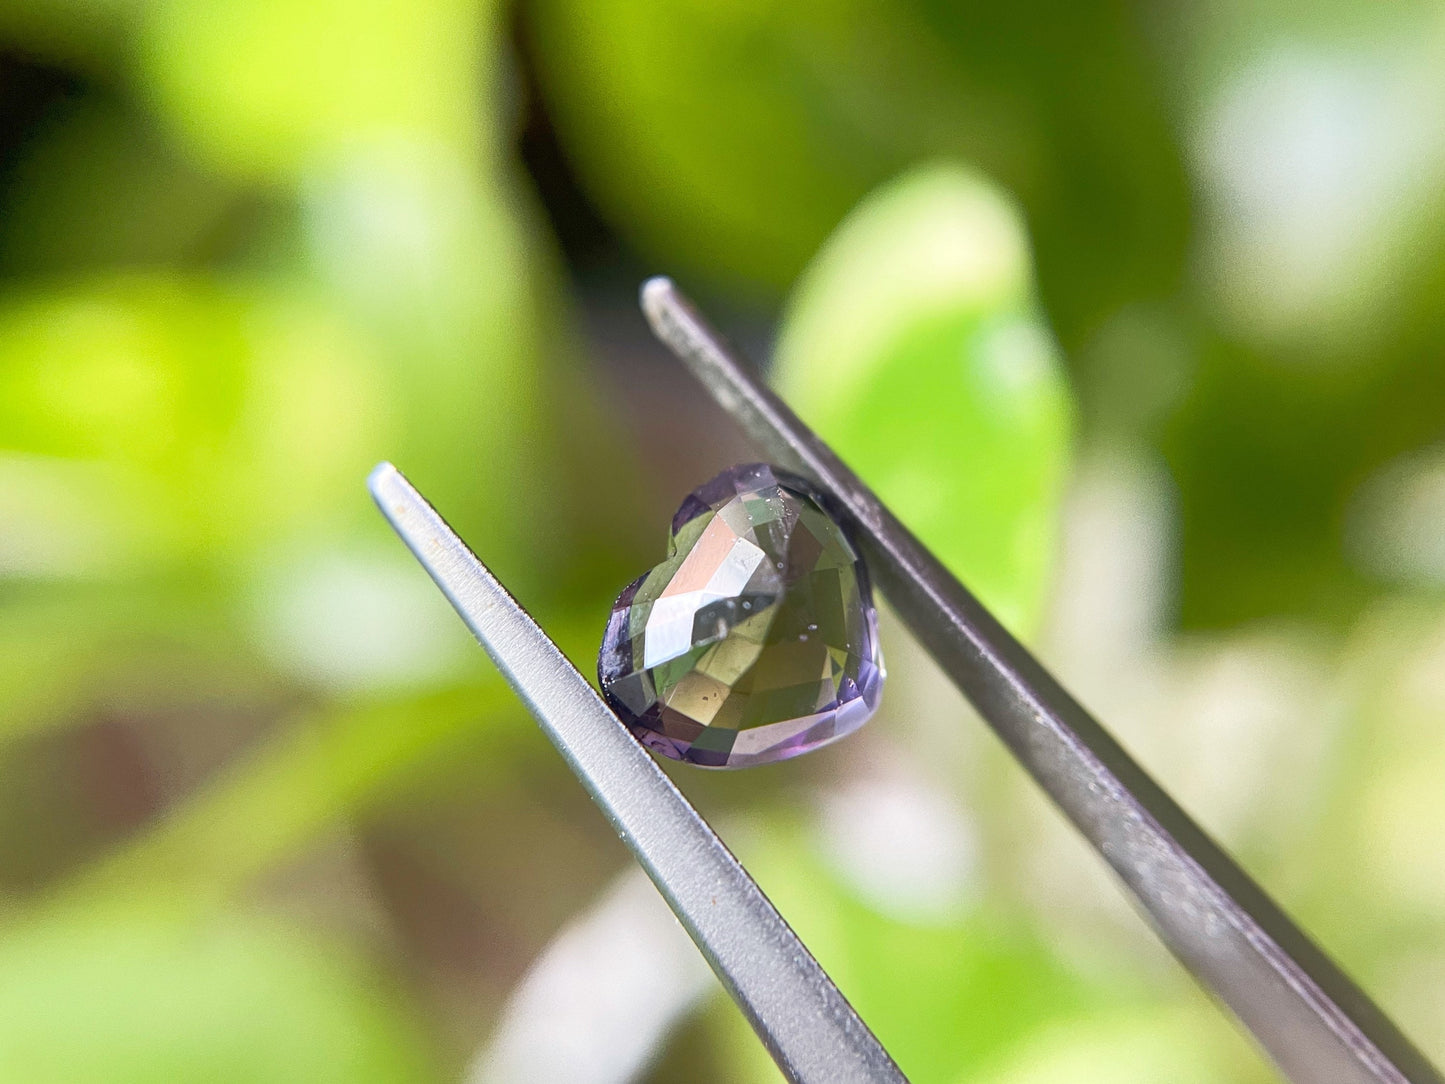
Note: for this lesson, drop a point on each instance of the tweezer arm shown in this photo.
(1312, 1020)
(806, 1023)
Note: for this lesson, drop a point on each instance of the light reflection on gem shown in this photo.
(756, 639)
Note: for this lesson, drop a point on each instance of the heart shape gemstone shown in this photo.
(756, 639)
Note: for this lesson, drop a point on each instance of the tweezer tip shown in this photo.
(381, 477)
(656, 291)
(393, 494)
(660, 299)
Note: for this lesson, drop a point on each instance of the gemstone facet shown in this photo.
(756, 639)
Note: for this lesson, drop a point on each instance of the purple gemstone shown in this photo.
(756, 639)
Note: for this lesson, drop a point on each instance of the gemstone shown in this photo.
(756, 639)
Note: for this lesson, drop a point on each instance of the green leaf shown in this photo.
(148, 421)
(1182, 1044)
(268, 88)
(945, 998)
(702, 129)
(128, 998)
(915, 346)
(724, 141)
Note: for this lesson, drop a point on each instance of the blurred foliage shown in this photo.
(735, 136)
(139, 998)
(916, 327)
(985, 981)
(273, 89)
(267, 817)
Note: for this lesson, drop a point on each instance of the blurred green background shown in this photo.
(1132, 310)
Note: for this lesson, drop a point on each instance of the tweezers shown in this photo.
(1307, 1015)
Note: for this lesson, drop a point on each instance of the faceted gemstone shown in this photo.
(756, 639)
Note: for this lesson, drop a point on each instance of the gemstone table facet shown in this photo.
(756, 639)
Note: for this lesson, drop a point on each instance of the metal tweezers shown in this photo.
(1315, 1024)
